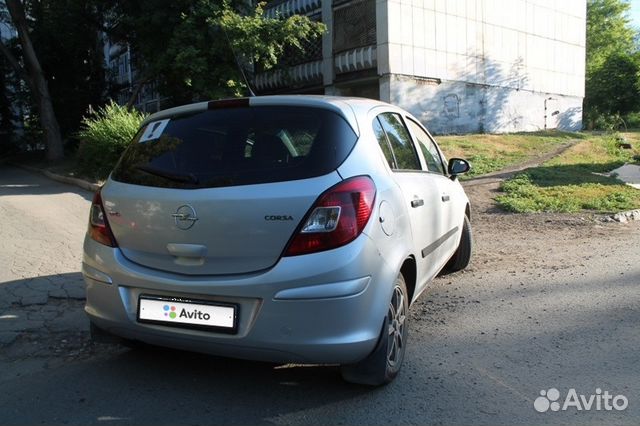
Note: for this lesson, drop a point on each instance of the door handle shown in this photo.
(417, 203)
(445, 198)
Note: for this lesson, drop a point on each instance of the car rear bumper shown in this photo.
(319, 308)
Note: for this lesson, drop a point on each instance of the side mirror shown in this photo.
(458, 166)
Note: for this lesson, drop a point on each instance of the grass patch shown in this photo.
(489, 153)
(569, 183)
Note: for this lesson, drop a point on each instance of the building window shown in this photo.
(354, 25)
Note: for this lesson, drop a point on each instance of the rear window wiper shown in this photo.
(176, 177)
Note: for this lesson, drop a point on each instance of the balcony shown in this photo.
(357, 59)
(297, 75)
(289, 7)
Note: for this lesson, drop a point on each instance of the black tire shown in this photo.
(462, 256)
(384, 363)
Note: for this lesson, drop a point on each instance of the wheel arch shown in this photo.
(409, 272)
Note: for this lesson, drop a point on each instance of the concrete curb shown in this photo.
(623, 217)
(81, 183)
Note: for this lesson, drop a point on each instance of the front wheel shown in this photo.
(384, 363)
(462, 256)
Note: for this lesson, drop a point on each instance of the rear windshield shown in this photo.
(238, 146)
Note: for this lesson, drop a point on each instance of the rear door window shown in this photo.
(381, 136)
(428, 148)
(401, 146)
(236, 146)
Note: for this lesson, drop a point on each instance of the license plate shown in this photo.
(187, 313)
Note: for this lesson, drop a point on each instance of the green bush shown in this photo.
(606, 122)
(633, 120)
(104, 135)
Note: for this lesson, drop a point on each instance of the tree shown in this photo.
(6, 103)
(188, 46)
(612, 85)
(31, 72)
(66, 36)
(184, 45)
(608, 31)
(612, 64)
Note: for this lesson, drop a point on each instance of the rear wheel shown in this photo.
(462, 256)
(384, 363)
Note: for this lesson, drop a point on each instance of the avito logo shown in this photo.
(549, 400)
(170, 311)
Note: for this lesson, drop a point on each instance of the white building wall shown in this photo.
(484, 65)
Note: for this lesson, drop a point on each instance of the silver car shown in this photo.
(281, 228)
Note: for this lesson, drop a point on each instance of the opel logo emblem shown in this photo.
(185, 217)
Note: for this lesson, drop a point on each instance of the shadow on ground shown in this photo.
(573, 174)
(12, 182)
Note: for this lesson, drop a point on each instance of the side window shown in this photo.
(428, 148)
(402, 147)
(384, 143)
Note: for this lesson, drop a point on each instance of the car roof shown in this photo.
(348, 107)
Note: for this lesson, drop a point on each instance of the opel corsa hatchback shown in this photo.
(281, 228)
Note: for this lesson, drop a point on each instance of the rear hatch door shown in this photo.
(221, 191)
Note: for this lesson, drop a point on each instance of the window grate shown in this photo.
(354, 25)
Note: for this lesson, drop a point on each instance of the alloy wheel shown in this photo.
(397, 317)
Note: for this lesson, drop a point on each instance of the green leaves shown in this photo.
(189, 45)
(613, 64)
(264, 39)
(104, 135)
(608, 31)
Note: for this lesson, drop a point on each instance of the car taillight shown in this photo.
(337, 218)
(99, 229)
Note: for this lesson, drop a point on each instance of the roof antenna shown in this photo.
(244, 77)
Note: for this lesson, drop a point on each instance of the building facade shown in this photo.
(459, 66)
(125, 81)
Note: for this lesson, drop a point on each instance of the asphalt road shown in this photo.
(551, 301)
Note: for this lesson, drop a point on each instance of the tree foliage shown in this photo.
(104, 135)
(612, 62)
(608, 31)
(613, 88)
(60, 59)
(30, 71)
(7, 99)
(188, 45)
(66, 36)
